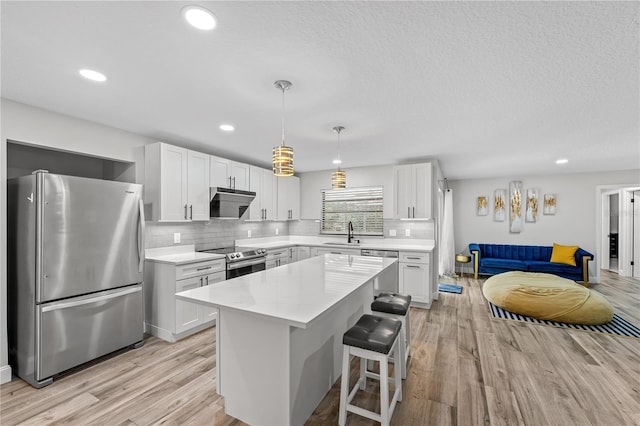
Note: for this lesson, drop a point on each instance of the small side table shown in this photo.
(462, 258)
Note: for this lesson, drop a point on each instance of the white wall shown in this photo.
(36, 126)
(575, 221)
(312, 184)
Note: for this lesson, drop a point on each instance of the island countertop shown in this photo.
(297, 293)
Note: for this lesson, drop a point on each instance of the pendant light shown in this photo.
(282, 155)
(339, 177)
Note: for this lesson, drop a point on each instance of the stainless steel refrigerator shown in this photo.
(75, 268)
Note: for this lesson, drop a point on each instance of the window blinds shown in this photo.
(361, 206)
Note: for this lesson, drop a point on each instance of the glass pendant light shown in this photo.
(339, 177)
(282, 155)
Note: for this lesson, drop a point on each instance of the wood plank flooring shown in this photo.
(466, 369)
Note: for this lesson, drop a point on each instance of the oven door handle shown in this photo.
(242, 264)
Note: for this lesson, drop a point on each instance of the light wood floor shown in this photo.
(466, 369)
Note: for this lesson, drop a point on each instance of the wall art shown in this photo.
(499, 205)
(515, 206)
(482, 205)
(531, 209)
(549, 204)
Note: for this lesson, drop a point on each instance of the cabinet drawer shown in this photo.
(199, 268)
(278, 254)
(414, 257)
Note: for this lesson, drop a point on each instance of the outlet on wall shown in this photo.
(277, 231)
(407, 232)
(249, 233)
(392, 232)
(176, 238)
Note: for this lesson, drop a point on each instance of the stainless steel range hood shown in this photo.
(229, 203)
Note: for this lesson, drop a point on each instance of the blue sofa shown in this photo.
(491, 259)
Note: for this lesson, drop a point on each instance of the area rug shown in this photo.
(616, 327)
(450, 288)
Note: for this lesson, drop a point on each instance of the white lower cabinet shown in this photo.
(304, 252)
(414, 269)
(165, 316)
(277, 257)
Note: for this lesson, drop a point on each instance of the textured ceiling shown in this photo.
(487, 88)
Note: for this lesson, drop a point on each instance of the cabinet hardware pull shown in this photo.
(414, 212)
(413, 266)
(191, 212)
(229, 181)
(414, 258)
(204, 269)
(408, 211)
(185, 211)
(207, 279)
(234, 182)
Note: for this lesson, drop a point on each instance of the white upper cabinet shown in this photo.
(263, 183)
(288, 198)
(176, 183)
(412, 191)
(229, 174)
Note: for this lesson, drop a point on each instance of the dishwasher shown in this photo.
(387, 282)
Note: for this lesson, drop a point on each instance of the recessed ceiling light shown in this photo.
(562, 161)
(227, 127)
(199, 17)
(337, 161)
(92, 75)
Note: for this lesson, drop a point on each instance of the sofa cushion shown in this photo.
(547, 297)
(564, 254)
(517, 265)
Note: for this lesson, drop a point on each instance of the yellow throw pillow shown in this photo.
(564, 254)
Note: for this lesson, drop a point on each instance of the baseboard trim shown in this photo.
(5, 374)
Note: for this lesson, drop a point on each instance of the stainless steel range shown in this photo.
(242, 260)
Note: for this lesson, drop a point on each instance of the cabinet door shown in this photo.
(188, 315)
(304, 253)
(402, 191)
(173, 183)
(220, 172)
(288, 198)
(255, 185)
(269, 194)
(240, 176)
(414, 280)
(198, 185)
(421, 178)
(208, 313)
(294, 198)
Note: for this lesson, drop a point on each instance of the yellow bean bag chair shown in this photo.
(547, 297)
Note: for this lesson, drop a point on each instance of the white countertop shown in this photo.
(367, 243)
(297, 293)
(179, 255)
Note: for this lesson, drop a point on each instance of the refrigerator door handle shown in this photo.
(63, 305)
(141, 237)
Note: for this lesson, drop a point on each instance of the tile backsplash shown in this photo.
(212, 234)
(223, 233)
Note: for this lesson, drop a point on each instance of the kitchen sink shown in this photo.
(342, 244)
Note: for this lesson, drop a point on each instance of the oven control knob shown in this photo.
(232, 255)
(261, 251)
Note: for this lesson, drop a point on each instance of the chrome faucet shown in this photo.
(349, 232)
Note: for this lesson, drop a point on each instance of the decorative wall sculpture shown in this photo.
(531, 212)
(549, 204)
(515, 206)
(482, 205)
(499, 205)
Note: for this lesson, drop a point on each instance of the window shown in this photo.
(360, 206)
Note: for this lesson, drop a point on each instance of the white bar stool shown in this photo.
(394, 305)
(372, 338)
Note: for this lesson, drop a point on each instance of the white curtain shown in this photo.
(446, 253)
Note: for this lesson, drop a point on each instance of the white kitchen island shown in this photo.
(279, 333)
